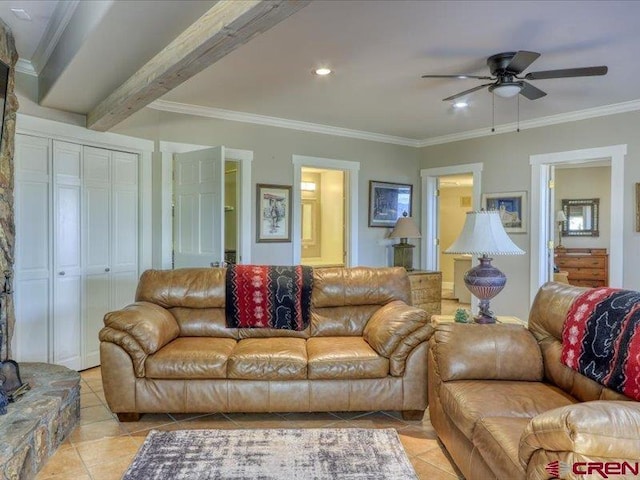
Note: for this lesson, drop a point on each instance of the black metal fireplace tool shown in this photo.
(11, 385)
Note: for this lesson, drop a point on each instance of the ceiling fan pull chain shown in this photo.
(518, 123)
(493, 112)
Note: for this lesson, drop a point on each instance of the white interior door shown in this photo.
(552, 226)
(97, 257)
(33, 252)
(198, 226)
(67, 259)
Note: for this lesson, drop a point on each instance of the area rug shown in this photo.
(272, 454)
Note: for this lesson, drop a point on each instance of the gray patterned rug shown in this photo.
(273, 454)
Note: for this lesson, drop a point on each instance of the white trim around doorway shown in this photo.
(429, 220)
(540, 165)
(351, 223)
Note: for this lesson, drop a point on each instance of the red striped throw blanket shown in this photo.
(259, 296)
(601, 338)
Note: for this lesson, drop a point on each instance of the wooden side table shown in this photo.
(438, 319)
(426, 290)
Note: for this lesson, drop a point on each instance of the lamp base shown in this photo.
(485, 282)
(403, 256)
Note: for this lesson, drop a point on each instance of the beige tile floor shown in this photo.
(101, 448)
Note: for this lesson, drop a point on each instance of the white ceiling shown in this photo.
(378, 49)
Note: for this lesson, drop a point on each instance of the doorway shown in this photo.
(333, 170)
(455, 200)
(322, 217)
(543, 225)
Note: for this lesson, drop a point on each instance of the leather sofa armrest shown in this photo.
(141, 329)
(394, 330)
(486, 352)
(602, 429)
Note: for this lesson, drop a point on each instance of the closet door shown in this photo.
(67, 258)
(33, 248)
(96, 214)
(124, 228)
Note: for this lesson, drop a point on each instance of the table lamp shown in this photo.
(560, 219)
(483, 234)
(403, 252)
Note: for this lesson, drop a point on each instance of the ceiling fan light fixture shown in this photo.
(506, 90)
(460, 105)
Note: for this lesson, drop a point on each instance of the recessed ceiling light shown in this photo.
(21, 13)
(322, 71)
(460, 105)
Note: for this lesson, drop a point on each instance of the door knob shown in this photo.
(61, 273)
(107, 269)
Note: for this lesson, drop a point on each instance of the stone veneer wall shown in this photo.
(8, 55)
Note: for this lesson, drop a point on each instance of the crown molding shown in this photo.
(222, 114)
(232, 115)
(56, 27)
(26, 67)
(585, 114)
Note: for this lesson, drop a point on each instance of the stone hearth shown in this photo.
(39, 421)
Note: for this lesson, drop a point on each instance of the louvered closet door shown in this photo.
(124, 228)
(97, 248)
(67, 261)
(33, 249)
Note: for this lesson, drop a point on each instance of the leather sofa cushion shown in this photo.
(191, 357)
(203, 322)
(391, 324)
(497, 439)
(277, 358)
(341, 321)
(337, 287)
(468, 401)
(344, 358)
(183, 287)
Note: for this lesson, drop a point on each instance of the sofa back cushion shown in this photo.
(344, 299)
(184, 287)
(548, 313)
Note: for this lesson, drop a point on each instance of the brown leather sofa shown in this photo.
(365, 349)
(505, 407)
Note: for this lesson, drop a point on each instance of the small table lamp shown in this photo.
(483, 234)
(560, 219)
(403, 252)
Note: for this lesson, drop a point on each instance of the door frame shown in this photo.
(430, 214)
(540, 220)
(351, 214)
(163, 232)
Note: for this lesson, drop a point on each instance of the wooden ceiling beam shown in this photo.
(226, 26)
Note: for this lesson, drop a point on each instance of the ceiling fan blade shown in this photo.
(458, 76)
(462, 94)
(531, 92)
(521, 60)
(567, 72)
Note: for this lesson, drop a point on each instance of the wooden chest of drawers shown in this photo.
(587, 267)
(426, 290)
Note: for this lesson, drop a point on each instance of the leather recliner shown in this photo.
(506, 408)
(365, 349)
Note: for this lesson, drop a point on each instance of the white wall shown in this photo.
(586, 182)
(273, 149)
(506, 168)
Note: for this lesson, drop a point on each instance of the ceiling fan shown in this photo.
(505, 82)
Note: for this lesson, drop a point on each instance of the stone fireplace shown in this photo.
(36, 424)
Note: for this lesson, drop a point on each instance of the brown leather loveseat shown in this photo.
(365, 348)
(506, 408)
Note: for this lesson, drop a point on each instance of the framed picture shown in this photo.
(387, 203)
(512, 207)
(273, 213)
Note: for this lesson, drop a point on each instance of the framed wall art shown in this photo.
(388, 202)
(273, 213)
(512, 207)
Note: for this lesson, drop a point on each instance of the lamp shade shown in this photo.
(483, 234)
(405, 228)
(560, 216)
